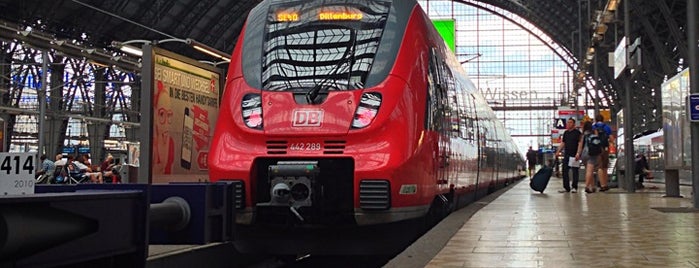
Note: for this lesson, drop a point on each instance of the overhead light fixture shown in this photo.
(607, 17)
(612, 5)
(127, 48)
(131, 50)
(597, 37)
(208, 50)
(601, 28)
(25, 33)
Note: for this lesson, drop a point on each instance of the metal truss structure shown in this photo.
(84, 99)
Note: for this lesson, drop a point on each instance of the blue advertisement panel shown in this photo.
(693, 107)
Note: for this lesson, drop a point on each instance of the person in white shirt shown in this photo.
(60, 160)
(95, 177)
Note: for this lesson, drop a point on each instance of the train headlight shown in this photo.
(367, 110)
(252, 110)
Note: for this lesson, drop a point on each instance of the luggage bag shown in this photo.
(541, 179)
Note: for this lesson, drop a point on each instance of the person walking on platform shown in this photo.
(569, 145)
(531, 161)
(603, 131)
(589, 160)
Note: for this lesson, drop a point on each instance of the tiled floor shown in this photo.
(523, 228)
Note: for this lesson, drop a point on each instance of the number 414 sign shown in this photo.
(16, 173)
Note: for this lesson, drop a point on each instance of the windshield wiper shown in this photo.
(348, 57)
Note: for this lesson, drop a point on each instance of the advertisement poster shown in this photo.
(185, 109)
(564, 113)
(133, 154)
(675, 128)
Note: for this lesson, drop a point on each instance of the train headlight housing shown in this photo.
(367, 110)
(252, 110)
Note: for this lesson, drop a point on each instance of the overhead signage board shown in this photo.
(620, 58)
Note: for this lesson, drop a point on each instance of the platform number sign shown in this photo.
(16, 173)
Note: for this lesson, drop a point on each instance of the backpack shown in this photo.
(604, 138)
(594, 145)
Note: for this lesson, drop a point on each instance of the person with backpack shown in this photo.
(589, 151)
(603, 131)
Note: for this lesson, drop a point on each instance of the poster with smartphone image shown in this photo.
(187, 127)
(185, 109)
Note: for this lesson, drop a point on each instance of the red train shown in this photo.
(341, 117)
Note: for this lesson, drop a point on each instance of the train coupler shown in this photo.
(292, 184)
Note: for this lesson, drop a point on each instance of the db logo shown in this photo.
(307, 118)
(201, 160)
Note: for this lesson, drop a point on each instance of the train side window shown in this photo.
(435, 69)
(434, 96)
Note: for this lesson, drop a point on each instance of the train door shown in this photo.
(496, 149)
(467, 135)
(430, 110)
(474, 135)
(437, 120)
(445, 86)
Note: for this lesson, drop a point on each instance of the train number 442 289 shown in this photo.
(305, 146)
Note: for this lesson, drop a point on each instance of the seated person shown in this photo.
(60, 160)
(47, 166)
(85, 160)
(641, 169)
(107, 169)
(79, 170)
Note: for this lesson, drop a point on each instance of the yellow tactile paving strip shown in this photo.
(523, 228)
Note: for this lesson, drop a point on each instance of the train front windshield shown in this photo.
(328, 44)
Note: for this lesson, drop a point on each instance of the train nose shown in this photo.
(283, 115)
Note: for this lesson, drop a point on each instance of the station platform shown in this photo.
(523, 228)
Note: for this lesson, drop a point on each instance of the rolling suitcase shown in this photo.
(541, 179)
